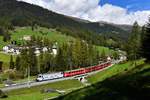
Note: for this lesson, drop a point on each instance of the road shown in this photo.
(34, 83)
(31, 84)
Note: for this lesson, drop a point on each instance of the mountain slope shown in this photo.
(24, 14)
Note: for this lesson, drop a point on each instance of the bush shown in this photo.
(2, 94)
(20, 75)
(126, 69)
(11, 74)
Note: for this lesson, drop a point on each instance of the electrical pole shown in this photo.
(28, 76)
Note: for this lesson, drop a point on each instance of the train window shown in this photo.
(39, 75)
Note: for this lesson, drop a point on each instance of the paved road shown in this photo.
(31, 84)
(34, 83)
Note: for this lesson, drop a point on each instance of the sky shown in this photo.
(113, 11)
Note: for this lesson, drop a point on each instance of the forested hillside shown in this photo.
(24, 14)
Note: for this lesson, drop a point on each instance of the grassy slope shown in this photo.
(128, 85)
(2, 43)
(6, 58)
(107, 50)
(52, 35)
(112, 71)
(34, 93)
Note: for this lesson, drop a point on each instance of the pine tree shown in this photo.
(48, 63)
(134, 42)
(18, 64)
(84, 54)
(5, 26)
(115, 55)
(41, 63)
(145, 48)
(24, 61)
(103, 55)
(60, 60)
(33, 63)
(12, 64)
(76, 53)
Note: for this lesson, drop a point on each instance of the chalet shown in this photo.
(54, 49)
(109, 58)
(45, 49)
(11, 49)
(37, 51)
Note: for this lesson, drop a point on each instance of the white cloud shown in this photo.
(91, 10)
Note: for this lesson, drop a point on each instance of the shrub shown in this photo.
(2, 94)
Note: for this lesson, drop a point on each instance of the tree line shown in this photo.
(138, 43)
(72, 55)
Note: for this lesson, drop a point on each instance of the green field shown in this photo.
(34, 93)
(32, 96)
(106, 50)
(20, 32)
(100, 76)
(129, 82)
(5, 58)
(2, 43)
(112, 71)
(44, 32)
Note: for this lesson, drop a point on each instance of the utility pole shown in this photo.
(28, 76)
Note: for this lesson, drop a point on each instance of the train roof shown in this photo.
(74, 69)
(85, 67)
(50, 73)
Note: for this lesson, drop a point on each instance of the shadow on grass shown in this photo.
(129, 86)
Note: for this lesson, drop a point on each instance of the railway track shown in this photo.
(34, 83)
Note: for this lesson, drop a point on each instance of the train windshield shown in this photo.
(39, 76)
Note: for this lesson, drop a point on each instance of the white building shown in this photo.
(45, 49)
(5, 49)
(123, 58)
(54, 49)
(109, 58)
(11, 49)
(37, 52)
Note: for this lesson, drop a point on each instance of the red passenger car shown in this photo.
(86, 70)
(74, 72)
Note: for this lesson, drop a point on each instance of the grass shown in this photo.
(2, 43)
(34, 93)
(116, 69)
(44, 32)
(32, 96)
(5, 58)
(107, 50)
(131, 84)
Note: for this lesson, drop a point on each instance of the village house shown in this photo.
(11, 49)
(15, 50)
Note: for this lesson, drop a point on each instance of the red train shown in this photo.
(52, 76)
(86, 70)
